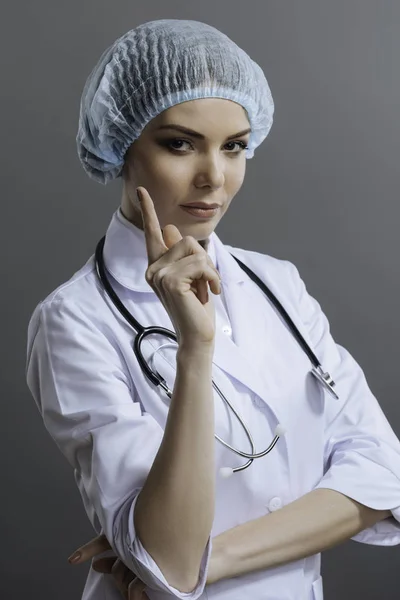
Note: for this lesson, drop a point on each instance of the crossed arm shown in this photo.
(315, 522)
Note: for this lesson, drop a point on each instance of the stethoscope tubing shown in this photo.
(158, 380)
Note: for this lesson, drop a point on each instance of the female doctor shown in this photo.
(175, 107)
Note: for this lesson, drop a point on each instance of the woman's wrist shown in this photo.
(189, 351)
(218, 566)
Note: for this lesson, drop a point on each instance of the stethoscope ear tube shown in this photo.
(101, 272)
(317, 370)
(142, 332)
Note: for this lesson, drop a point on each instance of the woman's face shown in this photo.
(178, 168)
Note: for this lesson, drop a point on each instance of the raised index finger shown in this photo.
(154, 240)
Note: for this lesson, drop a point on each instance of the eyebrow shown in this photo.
(198, 135)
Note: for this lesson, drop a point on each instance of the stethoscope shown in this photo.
(152, 374)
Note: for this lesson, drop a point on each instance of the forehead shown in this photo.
(204, 113)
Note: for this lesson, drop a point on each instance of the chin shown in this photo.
(199, 231)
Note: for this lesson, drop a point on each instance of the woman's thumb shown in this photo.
(171, 235)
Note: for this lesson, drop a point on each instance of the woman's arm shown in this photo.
(89, 406)
(315, 522)
(174, 512)
(175, 508)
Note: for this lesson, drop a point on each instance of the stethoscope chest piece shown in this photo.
(326, 380)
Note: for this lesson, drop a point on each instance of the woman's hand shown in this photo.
(130, 586)
(180, 272)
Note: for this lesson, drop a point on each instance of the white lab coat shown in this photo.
(108, 420)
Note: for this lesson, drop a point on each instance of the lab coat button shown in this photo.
(226, 329)
(275, 504)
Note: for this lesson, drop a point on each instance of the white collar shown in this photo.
(125, 255)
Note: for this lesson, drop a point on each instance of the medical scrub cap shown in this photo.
(153, 67)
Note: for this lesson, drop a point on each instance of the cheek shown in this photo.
(235, 176)
(169, 172)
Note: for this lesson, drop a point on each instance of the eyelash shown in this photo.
(168, 143)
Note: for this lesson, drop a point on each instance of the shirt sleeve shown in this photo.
(362, 452)
(79, 380)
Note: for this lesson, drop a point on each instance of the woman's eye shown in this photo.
(171, 144)
(242, 145)
(176, 141)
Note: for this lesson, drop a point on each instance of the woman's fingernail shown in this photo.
(74, 557)
(139, 195)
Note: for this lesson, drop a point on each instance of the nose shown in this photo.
(210, 172)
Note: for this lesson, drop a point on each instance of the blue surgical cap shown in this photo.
(153, 67)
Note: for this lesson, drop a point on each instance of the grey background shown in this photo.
(321, 191)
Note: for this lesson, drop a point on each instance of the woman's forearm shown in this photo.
(175, 509)
(315, 522)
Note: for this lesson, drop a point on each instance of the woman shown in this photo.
(148, 467)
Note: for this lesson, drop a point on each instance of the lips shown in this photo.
(201, 205)
(200, 212)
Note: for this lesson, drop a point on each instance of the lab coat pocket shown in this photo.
(317, 591)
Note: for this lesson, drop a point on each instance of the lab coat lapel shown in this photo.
(241, 359)
(235, 358)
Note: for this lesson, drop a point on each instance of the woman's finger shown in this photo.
(130, 586)
(171, 235)
(152, 231)
(104, 565)
(96, 546)
(122, 576)
(185, 274)
(136, 590)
